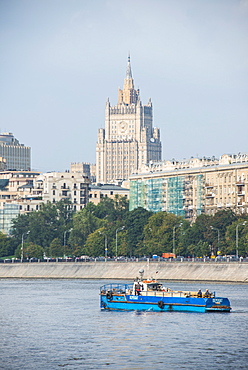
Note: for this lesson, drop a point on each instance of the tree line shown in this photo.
(110, 229)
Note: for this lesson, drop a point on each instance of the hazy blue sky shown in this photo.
(61, 59)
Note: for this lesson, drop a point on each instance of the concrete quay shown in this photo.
(183, 271)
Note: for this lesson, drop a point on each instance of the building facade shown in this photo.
(88, 169)
(190, 188)
(100, 191)
(16, 196)
(129, 139)
(25, 191)
(16, 155)
(55, 186)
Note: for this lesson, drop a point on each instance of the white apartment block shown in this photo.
(55, 186)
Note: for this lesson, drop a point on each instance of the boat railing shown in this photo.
(174, 293)
(128, 289)
(115, 288)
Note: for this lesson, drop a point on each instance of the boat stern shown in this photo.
(218, 304)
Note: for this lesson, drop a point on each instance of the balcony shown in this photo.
(210, 195)
(240, 204)
(240, 183)
(240, 193)
(64, 196)
(208, 186)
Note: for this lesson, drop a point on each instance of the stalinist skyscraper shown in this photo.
(129, 139)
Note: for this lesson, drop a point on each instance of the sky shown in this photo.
(61, 60)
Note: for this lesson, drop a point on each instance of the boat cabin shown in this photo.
(147, 286)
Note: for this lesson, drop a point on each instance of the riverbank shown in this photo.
(183, 271)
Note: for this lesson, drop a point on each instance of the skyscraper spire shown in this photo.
(129, 71)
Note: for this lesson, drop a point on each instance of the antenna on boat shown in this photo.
(141, 272)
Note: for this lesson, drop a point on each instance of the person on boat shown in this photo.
(207, 294)
(199, 293)
(137, 288)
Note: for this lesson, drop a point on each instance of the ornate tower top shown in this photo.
(128, 95)
(129, 71)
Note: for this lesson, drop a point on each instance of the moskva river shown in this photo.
(57, 324)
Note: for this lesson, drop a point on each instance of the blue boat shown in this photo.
(150, 295)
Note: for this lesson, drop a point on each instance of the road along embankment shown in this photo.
(188, 271)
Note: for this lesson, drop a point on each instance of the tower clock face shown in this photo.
(123, 126)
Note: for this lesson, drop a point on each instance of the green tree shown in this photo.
(159, 232)
(112, 209)
(95, 243)
(48, 223)
(30, 250)
(220, 221)
(199, 232)
(6, 245)
(237, 228)
(135, 222)
(84, 223)
(56, 249)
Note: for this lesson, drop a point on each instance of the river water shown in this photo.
(57, 324)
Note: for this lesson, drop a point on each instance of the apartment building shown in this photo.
(190, 188)
(88, 169)
(99, 191)
(55, 186)
(16, 196)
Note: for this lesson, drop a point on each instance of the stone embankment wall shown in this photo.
(223, 272)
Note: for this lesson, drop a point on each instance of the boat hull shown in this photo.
(143, 303)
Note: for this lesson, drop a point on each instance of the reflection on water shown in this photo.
(53, 324)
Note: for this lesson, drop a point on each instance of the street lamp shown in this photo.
(237, 238)
(174, 232)
(27, 232)
(215, 228)
(106, 245)
(119, 228)
(66, 231)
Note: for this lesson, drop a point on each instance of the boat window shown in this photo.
(154, 286)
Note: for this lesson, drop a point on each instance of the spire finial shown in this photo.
(129, 71)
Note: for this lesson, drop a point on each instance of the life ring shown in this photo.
(161, 304)
(109, 296)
